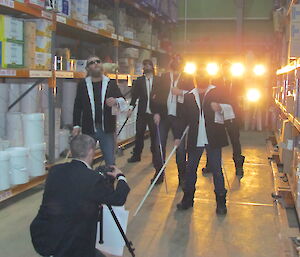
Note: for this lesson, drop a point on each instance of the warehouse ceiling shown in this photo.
(210, 28)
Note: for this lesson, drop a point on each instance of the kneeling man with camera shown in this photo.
(66, 223)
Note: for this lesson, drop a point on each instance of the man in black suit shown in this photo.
(142, 91)
(200, 108)
(168, 96)
(232, 89)
(66, 223)
(97, 102)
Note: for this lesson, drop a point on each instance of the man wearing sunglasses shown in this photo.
(97, 102)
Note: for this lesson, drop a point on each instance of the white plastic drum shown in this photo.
(63, 140)
(14, 128)
(29, 103)
(4, 171)
(14, 94)
(37, 160)
(69, 89)
(2, 125)
(33, 125)
(18, 165)
(4, 144)
(3, 97)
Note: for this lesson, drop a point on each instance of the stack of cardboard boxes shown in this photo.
(43, 33)
(11, 42)
(295, 31)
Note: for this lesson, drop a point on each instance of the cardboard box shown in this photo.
(36, 3)
(130, 53)
(103, 24)
(11, 29)
(43, 27)
(295, 30)
(42, 60)
(11, 54)
(295, 48)
(43, 44)
(290, 104)
(64, 7)
(29, 44)
(295, 13)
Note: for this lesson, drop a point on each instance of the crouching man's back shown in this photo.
(67, 219)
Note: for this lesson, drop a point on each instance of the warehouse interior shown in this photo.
(45, 48)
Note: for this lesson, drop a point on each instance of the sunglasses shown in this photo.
(93, 62)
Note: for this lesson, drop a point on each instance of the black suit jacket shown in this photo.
(139, 91)
(161, 92)
(67, 219)
(82, 114)
(216, 133)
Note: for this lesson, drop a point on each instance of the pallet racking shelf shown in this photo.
(66, 26)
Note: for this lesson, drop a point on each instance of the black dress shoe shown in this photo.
(134, 158)
(186, 202)
(182, 206)
(221, 204)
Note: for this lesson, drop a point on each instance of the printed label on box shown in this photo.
(9, 73)
(8, 3)
(4, 195)
(47, 15)
(61, 19)
(39, 74)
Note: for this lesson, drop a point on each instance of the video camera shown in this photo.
(103, 170)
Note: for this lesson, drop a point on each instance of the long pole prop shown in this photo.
(125, 123)
(161, 155)
(159, 174)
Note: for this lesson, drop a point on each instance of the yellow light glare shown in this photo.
(253, 95)
(190, 68)
(212, 69)
(259, 70)
(237, 69)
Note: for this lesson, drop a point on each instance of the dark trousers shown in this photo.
(233, 131)
(194, 156)
(165, 125)
(141, 124)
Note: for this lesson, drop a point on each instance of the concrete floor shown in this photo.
(249, 229)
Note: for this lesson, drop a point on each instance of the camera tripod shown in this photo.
(128, 243)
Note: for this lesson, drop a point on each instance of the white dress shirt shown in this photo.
(149, 84)
(202, 140)
(172, 99)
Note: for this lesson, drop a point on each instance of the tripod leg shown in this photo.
(127, 242)
(101, 225)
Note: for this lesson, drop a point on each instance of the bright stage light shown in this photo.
(190, 68)
(259, 70)
(237, 69)
(253, 95)
(212, 69)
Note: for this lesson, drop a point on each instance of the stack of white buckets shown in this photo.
(22, 155)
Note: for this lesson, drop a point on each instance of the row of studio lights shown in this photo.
(237, 70)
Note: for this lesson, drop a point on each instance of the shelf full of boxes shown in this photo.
(41, 41)
(287, 98)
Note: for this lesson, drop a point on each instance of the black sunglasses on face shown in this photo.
(93, 62)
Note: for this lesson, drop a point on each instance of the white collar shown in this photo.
(151, 76)
(195, 90)
(88, 166)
